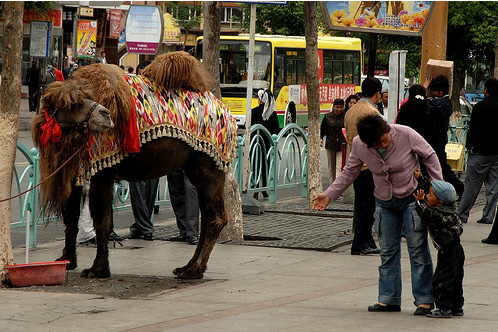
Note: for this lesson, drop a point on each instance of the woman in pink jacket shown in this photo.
(392, 153)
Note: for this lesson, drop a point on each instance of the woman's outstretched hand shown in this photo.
(320, 202)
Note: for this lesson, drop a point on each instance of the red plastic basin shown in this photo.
(37, 274)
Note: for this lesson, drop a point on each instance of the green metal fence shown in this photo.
(284, 161)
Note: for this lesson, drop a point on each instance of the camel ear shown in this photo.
(66, 95)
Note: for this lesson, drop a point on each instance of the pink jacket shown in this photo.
(394, 175)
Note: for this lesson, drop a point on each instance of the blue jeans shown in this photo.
(391, 218)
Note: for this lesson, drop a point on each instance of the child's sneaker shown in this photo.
(440, 314)
(457, 312)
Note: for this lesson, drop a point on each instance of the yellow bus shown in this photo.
(280, 65)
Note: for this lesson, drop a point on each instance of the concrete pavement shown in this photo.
(251, 288)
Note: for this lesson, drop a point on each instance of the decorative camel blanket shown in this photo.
(199, 119)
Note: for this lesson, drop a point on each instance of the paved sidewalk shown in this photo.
(252, 288)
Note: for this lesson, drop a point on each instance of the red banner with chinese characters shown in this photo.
(52, 15)
(114, 23)
(328, 92)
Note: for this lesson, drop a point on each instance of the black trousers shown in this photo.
(447, 283)
(364, 209)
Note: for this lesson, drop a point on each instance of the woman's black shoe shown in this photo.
(384, 308)
(489, 241)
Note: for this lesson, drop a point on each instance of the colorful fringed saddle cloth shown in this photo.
(198, 119)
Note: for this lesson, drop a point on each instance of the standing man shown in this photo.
(102, 57)
(33, 81)
(59, 76)
(364, 200)
(482, 162)
(185, 205)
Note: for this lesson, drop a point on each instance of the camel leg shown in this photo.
(70, 217)
(100, 200)
(213, 218)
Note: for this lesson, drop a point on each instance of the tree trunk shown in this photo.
(311, 33)
(210, 56)
(495, 72)
(9, 120)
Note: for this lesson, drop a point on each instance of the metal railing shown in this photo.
(277, 162)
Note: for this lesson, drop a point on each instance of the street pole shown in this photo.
(250, 70)
(434, 38)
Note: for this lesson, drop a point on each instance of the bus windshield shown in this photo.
(234, 63)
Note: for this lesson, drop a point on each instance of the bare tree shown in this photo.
(210, 56)
(311, 34)
(9, 120)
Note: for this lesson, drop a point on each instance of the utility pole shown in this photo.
(434, 38)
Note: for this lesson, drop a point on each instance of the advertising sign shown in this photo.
(386, 17)
(114, 23)
(54, 15)
(40, 39)
(144, 29)
(171, 29)
(87, 39)
(327, 92)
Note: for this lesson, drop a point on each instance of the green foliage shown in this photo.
(285, 20)
(188, 16)
(38, 6)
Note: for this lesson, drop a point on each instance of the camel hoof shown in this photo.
(94, 273)
(183, 273)
(72, 263)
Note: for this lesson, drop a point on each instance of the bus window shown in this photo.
(279, 74)
(338, 72)
(348, 73)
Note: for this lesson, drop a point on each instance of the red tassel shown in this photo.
(131, 142)
(50, 130)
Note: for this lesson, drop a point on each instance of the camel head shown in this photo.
(87, 115)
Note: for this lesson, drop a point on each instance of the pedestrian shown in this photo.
(392, 153)
(482, 161)
(59, 76)
(102, 58)
(364, 199)
(67, 71)
(331, 130)
(48, 77)
(143, 197)
(382, 105)
(441, 110)
(265, 115)
(74, 67)
(437, 211)
(415, 113)
(183, 196)
(33, 81)
(350, 101)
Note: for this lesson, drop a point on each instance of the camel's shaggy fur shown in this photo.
(106, 84)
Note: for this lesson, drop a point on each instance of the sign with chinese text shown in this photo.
(55, 16)
(114, 23)
(327, 92)
(87, 39)
(386, 17)
(40, 39)
(85, 11)
(144, 29)
(171, 29)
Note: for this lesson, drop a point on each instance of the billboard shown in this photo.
(144, 29)
(385, 17)
(87, 39)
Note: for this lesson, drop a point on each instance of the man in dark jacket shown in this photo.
(437, 212)
(482, 162)
(33, 81)
(441, 110)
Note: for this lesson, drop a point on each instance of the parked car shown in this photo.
(474, 98)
